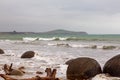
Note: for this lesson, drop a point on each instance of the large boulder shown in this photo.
(1, 51)
(112, 66)
(82, 68)
(28, 54)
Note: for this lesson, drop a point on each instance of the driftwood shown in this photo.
(50, 73)
(10, 71)
(50, 76)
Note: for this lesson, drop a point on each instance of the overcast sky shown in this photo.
(92, 16)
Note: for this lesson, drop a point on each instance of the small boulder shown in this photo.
(28, 54)
(82, 68)
(38, 72)
(1, 51)
(94, 46)
(112, 66)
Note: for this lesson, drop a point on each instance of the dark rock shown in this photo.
(109, 47)
(112, 66)
(82, 68)
(1, 51)
(62, 44)
(94, 46)
(38, 72)
(28, 54)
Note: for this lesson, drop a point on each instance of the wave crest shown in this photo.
(49, 39)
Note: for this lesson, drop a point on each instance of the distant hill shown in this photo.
(61, 31)
(53, 32)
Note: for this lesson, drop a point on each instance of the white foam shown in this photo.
(47, 39)
(44, 39)
(104, 77)
(27, 39)
(51, 44)
(60, 38)
(9, 53)
(78, 45)
(63, 68)
(101, 77)
(53, 38)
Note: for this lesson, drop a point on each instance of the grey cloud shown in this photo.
(106, 6)
(43, 15)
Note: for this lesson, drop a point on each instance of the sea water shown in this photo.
(53, 52)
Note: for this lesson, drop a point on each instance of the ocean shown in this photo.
(52, 51)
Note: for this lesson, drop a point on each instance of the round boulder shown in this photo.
(28, 54)
(82, 68)
(112, 66)
(1, 51)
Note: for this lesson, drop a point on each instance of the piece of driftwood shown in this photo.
(50, 76)
(10, 71)
(50, 73)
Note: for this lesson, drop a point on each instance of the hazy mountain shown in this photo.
(61, 31)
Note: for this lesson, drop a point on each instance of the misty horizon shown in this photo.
(44, 31)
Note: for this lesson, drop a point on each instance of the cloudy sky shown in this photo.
(92, 16)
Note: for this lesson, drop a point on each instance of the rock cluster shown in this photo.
(86, 68)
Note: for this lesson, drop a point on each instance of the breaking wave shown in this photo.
(49, 39)
(55, 39)
(82, 38)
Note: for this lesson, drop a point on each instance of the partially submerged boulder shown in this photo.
(109, 47)
(28, 54)
(112, 66)
(91, 46)
(1, 51)
(82, 68)
(94, 46)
